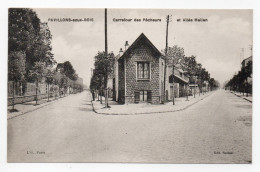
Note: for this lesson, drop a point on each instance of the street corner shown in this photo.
(115, 108)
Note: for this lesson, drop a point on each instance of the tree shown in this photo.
(104, 65)
(27, 34)
(248, 73)
(199, 70)
(36, 74)
(175, 59)
(16, 70)
(213, 84)
(96, 82)
(203, 76)
(190, 67)
(49, 75)
(69, 71)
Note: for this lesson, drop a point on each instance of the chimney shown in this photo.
(126, 45)
(121, 52)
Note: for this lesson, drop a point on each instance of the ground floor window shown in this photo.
(143, 96)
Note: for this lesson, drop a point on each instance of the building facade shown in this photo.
(139, 74)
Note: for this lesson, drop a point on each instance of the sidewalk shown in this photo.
(249, 98)
(30, 106)
(146, 108)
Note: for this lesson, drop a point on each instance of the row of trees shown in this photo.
(175, 58)
(30, 57)
(239, 82)
(63, 75)
(29, 47)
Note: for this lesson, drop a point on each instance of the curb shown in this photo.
(93, 108)
(39, 107)
(242, 97)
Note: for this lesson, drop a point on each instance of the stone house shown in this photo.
(139, 75)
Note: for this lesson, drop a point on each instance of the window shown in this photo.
(143, 96)
(143, 70)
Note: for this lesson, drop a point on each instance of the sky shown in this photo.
(217, 43)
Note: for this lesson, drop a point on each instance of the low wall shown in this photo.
(24, 99)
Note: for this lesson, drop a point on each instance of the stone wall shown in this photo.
(121, 81)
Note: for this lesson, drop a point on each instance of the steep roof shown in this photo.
(247, 59)
(142, 39)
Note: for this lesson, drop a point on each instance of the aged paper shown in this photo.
(130, 85)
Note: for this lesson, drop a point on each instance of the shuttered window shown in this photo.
(143, 96)
(137, 96)
(149, 96)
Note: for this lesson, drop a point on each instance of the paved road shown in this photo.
(218, 129)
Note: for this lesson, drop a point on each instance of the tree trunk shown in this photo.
(194, 91)
(101, 94)
(105, 95)
(199, 90)
(173, 102)
(187, 94)
(93, 95)
(13, 95)
(48, 92)
(36, 98)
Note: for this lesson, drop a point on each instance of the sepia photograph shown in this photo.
(128, 85)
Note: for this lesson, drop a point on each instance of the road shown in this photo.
(218, 129)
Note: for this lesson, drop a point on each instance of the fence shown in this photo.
(25, 92)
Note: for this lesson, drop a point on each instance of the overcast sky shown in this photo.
(216, 43)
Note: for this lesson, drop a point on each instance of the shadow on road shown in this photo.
(85, 109)
(244, 106)
(89, 104)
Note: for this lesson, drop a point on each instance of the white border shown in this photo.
(183, 4)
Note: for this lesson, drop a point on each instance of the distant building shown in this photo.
(245, 61)
(180, 86)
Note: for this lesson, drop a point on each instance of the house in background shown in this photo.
(249, 80)
(176, 84)
(245, 61)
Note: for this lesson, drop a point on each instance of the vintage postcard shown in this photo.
(130, 85)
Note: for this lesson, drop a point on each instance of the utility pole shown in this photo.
(251, 49)
(165, 60)
(243, 55)
(106, 91)
(240, 60)
(106, 31)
